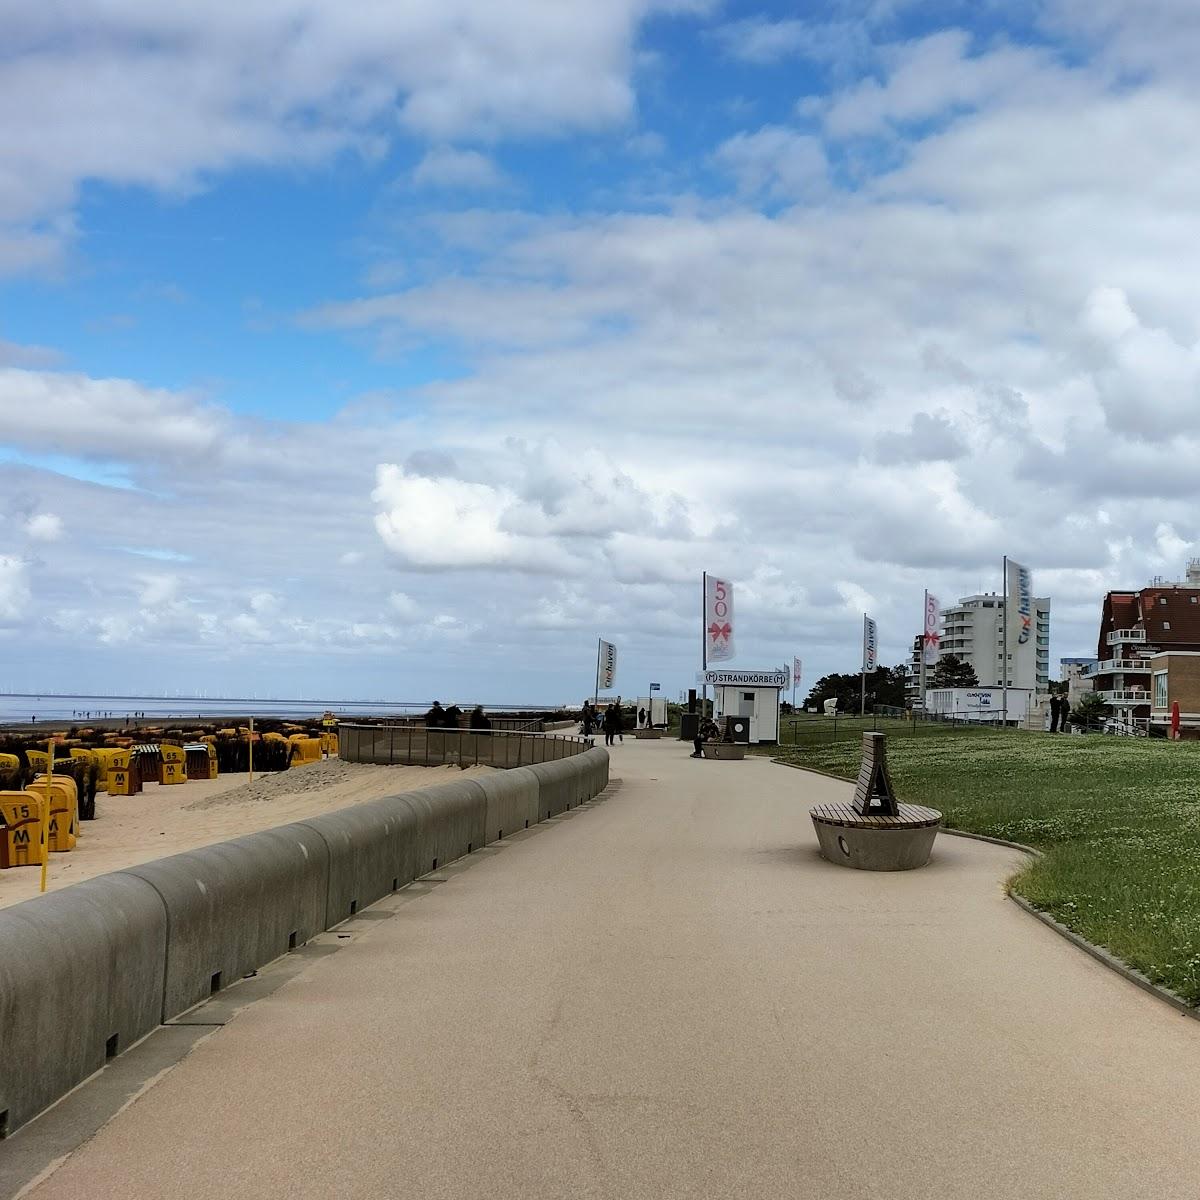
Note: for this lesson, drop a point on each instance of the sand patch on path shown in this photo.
(167, 820)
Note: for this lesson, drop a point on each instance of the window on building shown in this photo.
(1192, 599)
(1166, 624)
(1162, 600)
(1160, 689)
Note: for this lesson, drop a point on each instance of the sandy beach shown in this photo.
(166, 820)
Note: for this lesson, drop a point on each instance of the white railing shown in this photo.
(1107, 666)
(1127, 696)
(1126, 635)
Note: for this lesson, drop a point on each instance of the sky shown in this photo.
(401, 349)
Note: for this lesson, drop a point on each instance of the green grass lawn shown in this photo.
(1118, 820)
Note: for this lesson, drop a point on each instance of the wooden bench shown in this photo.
(875, 832)
(735, 751)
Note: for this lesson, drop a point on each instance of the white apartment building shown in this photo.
(974, 630)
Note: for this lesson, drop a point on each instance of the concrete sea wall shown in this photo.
(88, 971)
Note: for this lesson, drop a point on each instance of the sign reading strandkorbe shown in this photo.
(776, 678)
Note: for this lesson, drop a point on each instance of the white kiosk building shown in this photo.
(750, 694)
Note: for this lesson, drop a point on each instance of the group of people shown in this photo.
(609, 721)
(451, 718)
(1060, 714)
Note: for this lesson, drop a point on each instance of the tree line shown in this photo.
(885, 685)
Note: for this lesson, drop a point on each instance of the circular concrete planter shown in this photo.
(733, 751)
(900, 843)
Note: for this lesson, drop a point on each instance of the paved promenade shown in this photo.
(668, 994)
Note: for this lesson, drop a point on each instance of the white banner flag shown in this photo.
(787, 677)
(718, 619)
(795, 672)
(606, 672)
(933, 632)
(1018, 606)
(870, 645)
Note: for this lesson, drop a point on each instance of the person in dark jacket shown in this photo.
(612, 724)
(588, 718)
(479, 718)
(435, 718)
(453, 717)
(1055, 709)
(1064, 716)
(708, 732)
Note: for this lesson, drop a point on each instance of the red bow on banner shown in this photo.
(717, 632)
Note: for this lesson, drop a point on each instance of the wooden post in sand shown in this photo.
(46, 810)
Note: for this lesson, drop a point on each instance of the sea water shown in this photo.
(20, 709)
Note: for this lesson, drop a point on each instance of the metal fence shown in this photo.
(417, 745)
(819, 730)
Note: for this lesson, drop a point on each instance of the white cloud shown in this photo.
(341, 77)
(403, 605)
(763, 42)
(1146, 380)
(45, 411)
(776, 161)
(14, 588)
(936, 77)
(930, 436)
(44, 527)
(446, 167)
(447, 523)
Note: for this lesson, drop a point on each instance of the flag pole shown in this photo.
(862, 711)
(703, 643)
(921, 672)
(1004, 652)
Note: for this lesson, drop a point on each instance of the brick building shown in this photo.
(1143, 636)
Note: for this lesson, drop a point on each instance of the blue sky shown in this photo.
(408, 348)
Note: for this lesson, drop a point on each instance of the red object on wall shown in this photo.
(1175, 720)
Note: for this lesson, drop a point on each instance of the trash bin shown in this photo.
(689, 726)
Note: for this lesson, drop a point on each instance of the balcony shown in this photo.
(1109, 666)
(1126, 635)
(1127, 696)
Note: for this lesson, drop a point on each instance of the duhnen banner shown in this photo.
(870, 645)
(933, 634)
(606, 673)
(718, 619)
(1019, 603)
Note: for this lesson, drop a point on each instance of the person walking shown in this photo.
(479, 718)
(1064, 716)
(435, 718)
(611, 722)
(618, 722)
(453, 717)
(587, 719)
(1055, 709)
